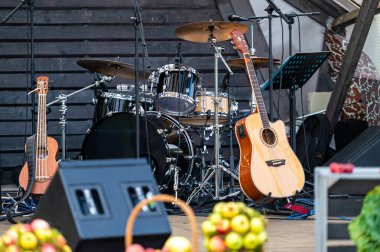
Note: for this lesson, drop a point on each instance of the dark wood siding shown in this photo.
(66, 31)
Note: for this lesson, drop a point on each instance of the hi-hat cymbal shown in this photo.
(202, 31)
(258, 62)
(111, 68)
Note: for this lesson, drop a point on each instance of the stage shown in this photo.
(284, 235)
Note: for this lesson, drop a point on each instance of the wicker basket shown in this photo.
(162, 198)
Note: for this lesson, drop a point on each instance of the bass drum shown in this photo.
(179, 148)
(115, 137)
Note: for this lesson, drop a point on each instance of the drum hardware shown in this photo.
(211, 32)
(62, 98)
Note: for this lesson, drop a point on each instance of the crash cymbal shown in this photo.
(202, 31)
(258, 62)
(111, 68)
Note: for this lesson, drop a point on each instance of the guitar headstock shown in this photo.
(42, 84)
(239, 41)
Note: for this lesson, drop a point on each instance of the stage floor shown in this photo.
(284, 235)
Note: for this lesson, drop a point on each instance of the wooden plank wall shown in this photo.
(66, 31)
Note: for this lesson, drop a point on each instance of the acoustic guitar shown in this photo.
(268, 165)
(44, 149)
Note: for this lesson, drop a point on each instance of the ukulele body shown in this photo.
(44, 166)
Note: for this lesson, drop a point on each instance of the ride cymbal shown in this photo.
(258, 62)
(112, 68)
(201, 32)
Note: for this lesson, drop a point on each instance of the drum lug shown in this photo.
(88, 131)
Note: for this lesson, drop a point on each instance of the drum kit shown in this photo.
(172, 104)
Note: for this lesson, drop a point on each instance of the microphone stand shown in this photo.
(138, 26)
(30, 4)
(269, 9)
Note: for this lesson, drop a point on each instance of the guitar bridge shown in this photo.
(275, 162)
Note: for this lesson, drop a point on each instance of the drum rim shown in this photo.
(211, 93)
(117, 96)
(183, 68)
(174, 95)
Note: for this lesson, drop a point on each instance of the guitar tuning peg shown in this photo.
(234, 47)
(232, 42)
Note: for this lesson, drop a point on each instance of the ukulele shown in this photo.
(44, 149)
(268, 166)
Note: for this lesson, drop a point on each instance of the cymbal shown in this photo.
(202, 31)
(258, 62)
(111, 68)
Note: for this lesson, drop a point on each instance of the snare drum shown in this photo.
(176, 89)
(204, 113)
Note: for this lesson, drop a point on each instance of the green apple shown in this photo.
(216, 244)
(230, 210)
(178, 244)
(234, 241)
(251, 241)
(66, 248)
(12, 248)
(215, 217)
(208, 228)
(257, 225)
(218, 207)
(251, 213)
(43, 234)
(241, 206)
(240, 224)
(223, 226)
(263, 237)
(28, 241)
(10, 237)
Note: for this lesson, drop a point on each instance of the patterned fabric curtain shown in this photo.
(363, 97)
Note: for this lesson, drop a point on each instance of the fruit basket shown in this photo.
(168, 199)
(233, 226)
(36, 236)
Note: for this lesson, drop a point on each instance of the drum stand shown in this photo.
(217, 167)
(62, 98)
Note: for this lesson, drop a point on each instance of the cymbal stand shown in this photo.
(62, 98)
(217, 167)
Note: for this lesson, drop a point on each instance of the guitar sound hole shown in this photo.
(268, 136)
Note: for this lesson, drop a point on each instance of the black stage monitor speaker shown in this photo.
(362, 151)
(90, 202)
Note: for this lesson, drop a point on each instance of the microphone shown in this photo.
(276, 9)
(292, 14)
(233, 18)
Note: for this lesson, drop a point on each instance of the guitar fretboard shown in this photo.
(256, 90)
(41, 122)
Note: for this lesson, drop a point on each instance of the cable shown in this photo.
(304, 133)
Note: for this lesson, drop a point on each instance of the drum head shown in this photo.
(115, 137)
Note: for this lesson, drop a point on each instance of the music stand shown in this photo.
(292, 75)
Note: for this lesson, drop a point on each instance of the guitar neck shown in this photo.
(256, 90)
(41, 122)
